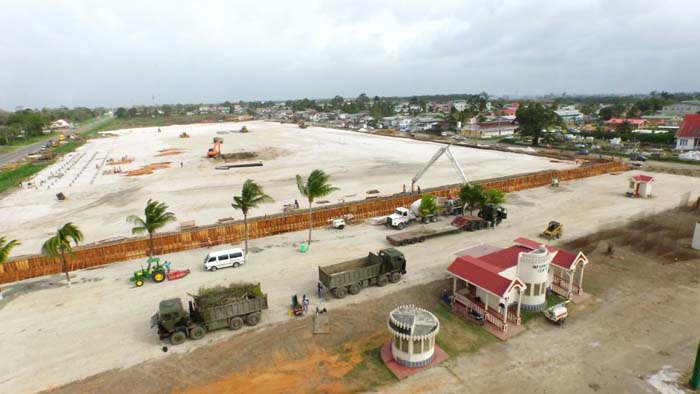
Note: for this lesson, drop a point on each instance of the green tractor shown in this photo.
(154, 271)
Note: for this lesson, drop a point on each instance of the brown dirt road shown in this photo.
(644, 315)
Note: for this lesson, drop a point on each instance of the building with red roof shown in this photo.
(497, 283)
(635, 123)
(688, 134)
(640, 186)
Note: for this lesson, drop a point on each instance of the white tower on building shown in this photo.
(533, 271)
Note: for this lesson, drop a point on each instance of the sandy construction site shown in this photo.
(53, 335)
(98, 200)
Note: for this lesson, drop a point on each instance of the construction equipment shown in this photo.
(442, 150)
(493, 214)
(297, 308)
(55, 143)
(554, 230)
(184, 135)
(557, 313)
(216, 149)
(244, 129)
(177, 274)
(402, 217)
(351, 276)
(303, 125)
(459, 224)
(153, 270)
(212, 309)
(61, 137)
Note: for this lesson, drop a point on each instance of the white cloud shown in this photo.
(79, 52)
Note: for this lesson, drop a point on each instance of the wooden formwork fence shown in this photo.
(25, 267)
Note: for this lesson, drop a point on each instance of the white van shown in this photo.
(224, 258)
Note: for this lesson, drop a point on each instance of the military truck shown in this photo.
(351, 276)
(493, 213)
(212, 309)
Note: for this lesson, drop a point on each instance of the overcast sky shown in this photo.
(110, 53)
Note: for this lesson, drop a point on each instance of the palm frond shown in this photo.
(6, 247)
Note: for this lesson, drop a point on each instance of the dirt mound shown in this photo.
(263, 154)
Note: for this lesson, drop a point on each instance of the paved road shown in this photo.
(35, 147)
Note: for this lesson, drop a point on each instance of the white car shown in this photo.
(224, 258)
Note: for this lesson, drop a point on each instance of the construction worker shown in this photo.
(296, 204)
(418, 186)
(319, 289)
(404, 188)
(305, 303)
(167, 266)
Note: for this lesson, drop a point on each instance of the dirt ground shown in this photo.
(101, 323)
(194, 190)
(643, 317)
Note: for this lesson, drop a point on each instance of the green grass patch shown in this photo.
(158, 121)
(68, 147)
(16, 144)
(106, 125)
(11, 178)
(458, 335)
(370, 372)
(527, 316)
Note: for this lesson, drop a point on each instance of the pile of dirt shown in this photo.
(149, 169)
(263, 154)
(170, 152)
(238, 156)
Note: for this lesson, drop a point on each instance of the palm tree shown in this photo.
(316, 185)
(494, 196)
(251, 196)
(156, 216)
(472, 196)
(5, 248)
(60, 244)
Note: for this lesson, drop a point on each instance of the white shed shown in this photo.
(640, 186)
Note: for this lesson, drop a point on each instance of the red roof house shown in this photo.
(688, 134)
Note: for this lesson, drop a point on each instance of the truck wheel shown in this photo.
(158, 276)
(395, 277)
(382, 281)
(252, 319)
(236, 323)
(139, 282)
(433, 219)
(177, 338)
(339, 292)
(401, 226)
(197, 333)
(354, 289)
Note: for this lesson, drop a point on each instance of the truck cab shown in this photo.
(171, 316)
(400, 218)
(393, 260)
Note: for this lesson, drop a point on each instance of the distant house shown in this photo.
(459, 105)
(490, 129)
(688, 134)
(508, 111)
(682, 108)
(569, 114)
(635, 123)
(60, 124)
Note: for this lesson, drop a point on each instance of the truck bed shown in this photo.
(218, 316)
(420, 235)
(348, 272)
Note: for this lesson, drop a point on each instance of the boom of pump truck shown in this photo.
(442, 150)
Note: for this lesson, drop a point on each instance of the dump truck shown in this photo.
(459, 224)
(350, 276)
(213, 309)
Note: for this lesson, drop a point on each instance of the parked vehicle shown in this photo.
(208, 312)
(557, 313)
(459, 224)
(402, 217)
(351, 276)
(224, 258)
(153, 270)
(493, 214)
(582, 152)
(638, 157)
(478, 317)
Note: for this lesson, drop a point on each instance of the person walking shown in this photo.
(305, 303)
(319, 289)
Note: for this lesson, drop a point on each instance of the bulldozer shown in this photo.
(554, 230)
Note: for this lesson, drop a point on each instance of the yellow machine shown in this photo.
(61, 137)
(553, 230)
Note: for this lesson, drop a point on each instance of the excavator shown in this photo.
(216, 149)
